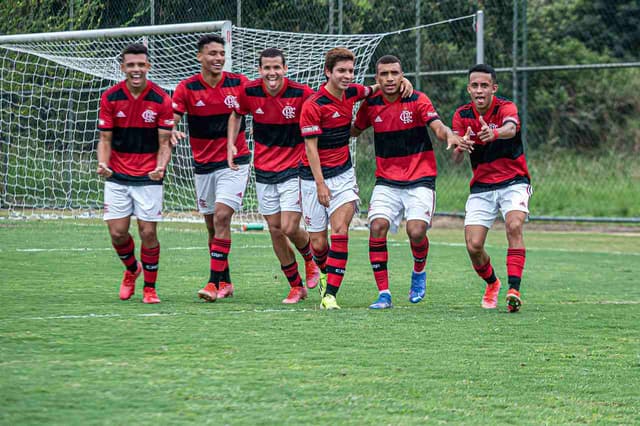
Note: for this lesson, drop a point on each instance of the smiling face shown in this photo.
(211, 57)
(272, 72)
(341, 75)
(481, 88)
(135, 67)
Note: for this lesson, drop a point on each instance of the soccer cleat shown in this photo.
(490, 298)
(322, 284)
(329, 302)
(296, 294)
(418, 286)
(208, 293)
(513, 300)
(128, 285)
(149, 295)
(225, 290)
(383, 302)
(311, 273)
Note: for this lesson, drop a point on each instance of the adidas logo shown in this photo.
(259, 111)
(121, 114)
(200, 103)
(335, 115)
(378, 120)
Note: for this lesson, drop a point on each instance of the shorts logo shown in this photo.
(307, 220)
(231, 102)
(289, 112)
(406, 117)
(149, 116)
(239, 194)
(202, 203)
(427, 214)
(523, 204)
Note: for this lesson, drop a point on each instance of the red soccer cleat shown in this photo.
(208, 293)
(149, 295)
(296, 294)
(225, 290)
(513, 300)
(490, 298)
(311, 273)
(128, 285)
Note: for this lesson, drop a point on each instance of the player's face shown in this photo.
(272, 72)
(389, 77)
(135, 67)
(341, 75)
(481, 89)
(211, 57)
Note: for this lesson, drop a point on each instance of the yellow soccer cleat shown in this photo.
(329, 302)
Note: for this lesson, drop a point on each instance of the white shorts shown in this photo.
(279, 197)
(224, 186)
(482, 208)
(343, 188)
(143, 202)
(390, 203)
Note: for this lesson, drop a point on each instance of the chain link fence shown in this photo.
(572, 66)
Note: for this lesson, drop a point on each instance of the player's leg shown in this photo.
(148, 211)
(420, 204)
(481, 211)
(378, 257)
(301, 240)
(316, 221)
(206, 196)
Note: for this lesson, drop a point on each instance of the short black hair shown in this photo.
(209, 38)
(271, 52)
(134, 49)
(388, 59)
(484, 68)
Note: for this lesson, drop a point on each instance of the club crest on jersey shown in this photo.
(406, 117)
(230, 101)
(289, 112)
(149, 116)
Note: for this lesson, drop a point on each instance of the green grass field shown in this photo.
(72, 353)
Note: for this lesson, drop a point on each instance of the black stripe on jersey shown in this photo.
(118, 95)
(500, 148)
(412, 98)
(427, 181)
(335, 137)
(350, 92)
(484, 187)
(375, 101)
(324, 100)
(402, 143)
(196, 85)
(133, 180)
(277, 134)
(327, 172)
(292, 92)
(153, 96)
(231, 82)
(210, 126)
(255, 91)
(467, 113)
(263, 176)
(206, 168)
(135, 140)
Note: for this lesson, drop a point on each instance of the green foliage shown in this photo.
(33, 16)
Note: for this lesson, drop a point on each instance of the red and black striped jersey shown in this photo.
(404, 153)
(208, 109)
(498, 163)
(329, 118)
(134, 123)
(276, 128)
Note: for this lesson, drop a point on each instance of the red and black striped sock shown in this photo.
(291, 272)
(126, 253)
(219, 253)
(337, 262)
(515, 265)
(150, 259)
(486, 272)
(420, 252)
(321, 259)
(379, 256)
(306, 251)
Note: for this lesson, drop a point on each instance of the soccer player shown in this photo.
(208, 98)
(328, 181)
(275, 102)
(135, 123)
(405, 173)
(500, 181)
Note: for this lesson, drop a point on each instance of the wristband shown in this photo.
(495, 134)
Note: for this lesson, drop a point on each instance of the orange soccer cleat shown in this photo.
(296, 294)
(490, 298)
(513, 300)
(128, 285)
(311, 273)
(149, 295)
(225, 290)
(208, 293)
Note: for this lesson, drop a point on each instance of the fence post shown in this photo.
(525, 75)
(340, 15)
(418, 46)
(480, 37)
(239, 13)
(514, 53)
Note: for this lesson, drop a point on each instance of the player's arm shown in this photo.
(406, 88)
(361, 123)
(104, 153)
(487, 134)
(176, 135)
(445, 134)
(164, 154)
(311, 146)
(457, 127)
(233, 129)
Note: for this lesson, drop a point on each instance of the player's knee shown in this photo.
(417, 232)
(149, 237)
(378, 228)
(222, 220)
(474, 246)
(514, 228)
(119, 236)
(290, 230)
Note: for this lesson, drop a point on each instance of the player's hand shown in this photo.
(465, 143)
(157, 173)
(324, 194)
(486, 134)
(176, 137)
(232, 151)
(104, 170)
(406, 88)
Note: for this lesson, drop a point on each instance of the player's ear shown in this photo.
(495, 88)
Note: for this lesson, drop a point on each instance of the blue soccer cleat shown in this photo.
(383, 302)
(418, 286)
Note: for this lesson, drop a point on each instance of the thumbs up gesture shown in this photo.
(487, 134)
